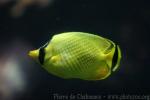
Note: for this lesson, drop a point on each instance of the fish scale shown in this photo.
(73, 62)
(75, 51)
(70, 62)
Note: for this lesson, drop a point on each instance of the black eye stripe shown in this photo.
(115, 58)
(42, 54)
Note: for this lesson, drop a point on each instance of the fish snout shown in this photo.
(34, 54)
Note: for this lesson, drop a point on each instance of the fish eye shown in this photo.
(115, 58)
(42, 53)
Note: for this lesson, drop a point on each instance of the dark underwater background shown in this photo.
(126, 22)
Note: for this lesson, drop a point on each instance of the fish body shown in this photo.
(79, 55)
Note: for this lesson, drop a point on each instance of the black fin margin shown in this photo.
(115, 58)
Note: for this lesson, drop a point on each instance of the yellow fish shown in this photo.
(78, 55)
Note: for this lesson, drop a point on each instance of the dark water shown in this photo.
(127, 23)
